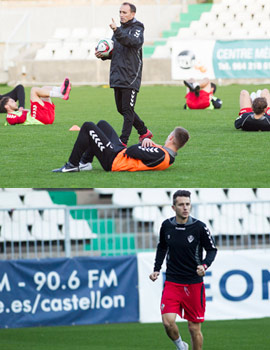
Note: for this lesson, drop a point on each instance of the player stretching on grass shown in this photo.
(201, 95)
(17, 94)
(42, 108)
(102, 141)
(182, 239)
(254, 115)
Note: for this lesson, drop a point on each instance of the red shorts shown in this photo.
(198, 102)
(45, 114)
(249, 110)
(186, 300)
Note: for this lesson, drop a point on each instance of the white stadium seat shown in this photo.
(263, 193)
(207, 212)
(239, 33)
(224, 225)
(44, 54)
(79, 54)
(15, 232)
(146, 213)
(10, 200)
(162, 51)
(62, 53)
(212, 195)
(155, 196)
(4, 216)
(97, 33)
(79, 33)
(257, 33)
(71, 45)
(27, 217)
(167, 211)
(55, 215)
(185, 33)
(79, 229)
(46, 231)
(62, 33)
(38, 199)
(237, 210)
(128, 197)
(256, 224)
(241, 194)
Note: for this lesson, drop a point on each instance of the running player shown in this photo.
(254, 115)
(182, 239)
(201, 95)
(102, 141)
(42, 108)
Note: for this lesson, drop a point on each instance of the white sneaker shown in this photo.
(185, 346)
(85, 166)
(259, 93)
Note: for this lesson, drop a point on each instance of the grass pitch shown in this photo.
(217, 154)
(218, 335)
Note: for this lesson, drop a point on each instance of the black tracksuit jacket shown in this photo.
(126, 60)
(183, 245)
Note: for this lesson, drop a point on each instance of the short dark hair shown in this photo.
(259, 104)
(3, 102)
(181, 136)
(132, 7)
(214, 87)
(180, 193)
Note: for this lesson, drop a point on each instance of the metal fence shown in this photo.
(108, 230)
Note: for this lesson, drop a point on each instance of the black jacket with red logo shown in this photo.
(183, 244)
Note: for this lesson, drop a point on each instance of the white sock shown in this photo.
(259, 93)
(253, 95)
(56, 92)
(179, 343)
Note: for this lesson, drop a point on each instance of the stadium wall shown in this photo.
(235, 61)
(118, 289)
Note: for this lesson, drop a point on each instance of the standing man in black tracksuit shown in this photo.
(126, 70)
(182, 239)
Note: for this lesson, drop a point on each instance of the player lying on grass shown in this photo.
(42, 108)
(101, 140)
(200, 95)
(254, 115)
(17, 94)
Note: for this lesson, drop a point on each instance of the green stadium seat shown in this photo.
(63, 197)
(114, 244)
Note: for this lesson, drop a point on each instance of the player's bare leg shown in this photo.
(172, 330)
(265, 93)
(37, 94)
(245, 100)
(196, 335)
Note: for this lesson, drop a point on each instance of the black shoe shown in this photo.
(197, 90)
(189, 85)
(67, 168)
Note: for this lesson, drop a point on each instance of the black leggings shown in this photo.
(16, 94)
(98, 140)
(125, 100)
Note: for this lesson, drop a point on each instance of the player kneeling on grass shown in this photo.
(200, 95)
(183, 239)
(42, 108)
(254, 111)
(101, 140)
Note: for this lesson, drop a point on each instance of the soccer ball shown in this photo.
(105, 46)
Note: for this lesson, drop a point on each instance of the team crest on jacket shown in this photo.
(190, 238)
